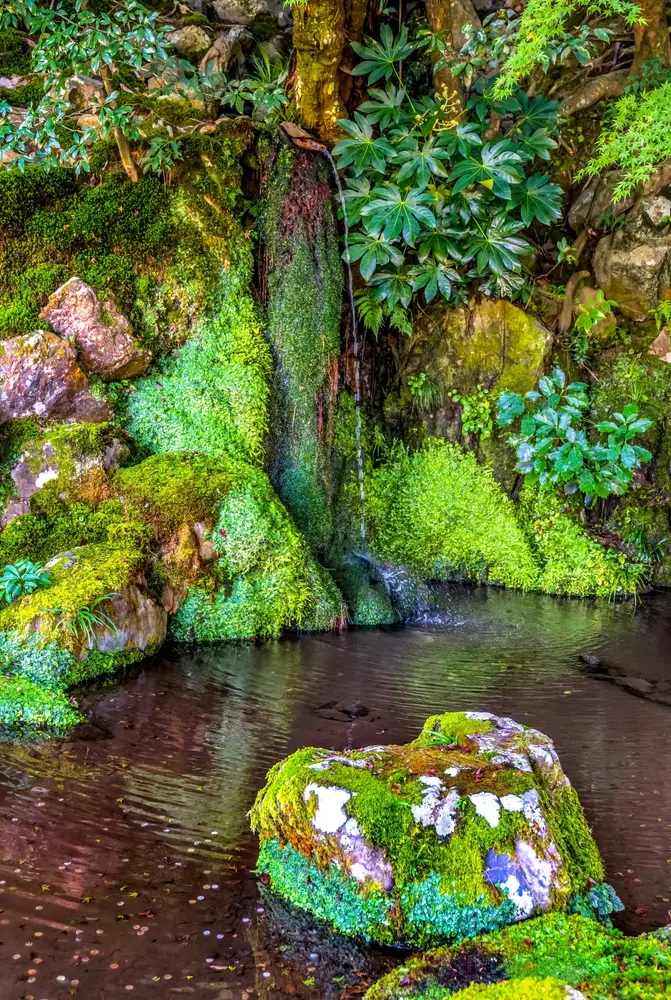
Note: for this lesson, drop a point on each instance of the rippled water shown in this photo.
(126, 863)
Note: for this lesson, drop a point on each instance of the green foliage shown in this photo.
(571, 561)
(541, 26)
(590, 315)
(14, 53)
(43, 535)
(529, 988)
(82, 623)
(440, 513)
(71, 40)
(26, 705)
(635, 139)
(433, 202)
(601, 900)
(263, 89)
(424, 392)
(553, 447)
(476, 412)
(20, 578)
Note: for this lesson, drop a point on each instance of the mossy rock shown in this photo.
(553, 957)
(470, 827)
(94, 617)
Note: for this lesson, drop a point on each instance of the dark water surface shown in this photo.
(126, 863)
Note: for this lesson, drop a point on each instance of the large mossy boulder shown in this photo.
(554, 957)
(470, 827)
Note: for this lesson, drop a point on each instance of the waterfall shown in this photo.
(355, 339)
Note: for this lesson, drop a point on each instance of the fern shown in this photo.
(540, 23)
(636, 138)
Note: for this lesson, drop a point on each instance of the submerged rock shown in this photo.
(470, 827)
(554, 957)
(102, 334)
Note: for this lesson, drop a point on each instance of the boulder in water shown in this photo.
(470, 827)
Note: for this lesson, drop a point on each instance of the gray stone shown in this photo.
(633, 264)
(191, 40)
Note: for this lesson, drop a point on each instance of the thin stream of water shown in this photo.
(355, 339)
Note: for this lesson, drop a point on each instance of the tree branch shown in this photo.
(597, 89)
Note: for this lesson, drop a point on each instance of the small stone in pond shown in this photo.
(201, 897)
(219, 937)
(245, 920)
(206, 933)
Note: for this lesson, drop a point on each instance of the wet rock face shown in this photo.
(103, 335)
(633, 264)
(40, 377)
(470, 827)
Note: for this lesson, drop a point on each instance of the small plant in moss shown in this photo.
(21, 578)
(424, 392)
(82, 622)
(553, 445)
(476, 412)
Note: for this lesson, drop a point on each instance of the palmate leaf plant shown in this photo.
(436, 202)
(556, 444)
(21, 578)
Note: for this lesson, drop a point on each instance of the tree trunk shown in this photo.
(652, 38)
(121, 141)
(448, 17)
(319, 40)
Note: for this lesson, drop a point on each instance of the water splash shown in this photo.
(355, 340)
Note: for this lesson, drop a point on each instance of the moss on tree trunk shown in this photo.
(652, 37)
(448, 18)
(319, 40)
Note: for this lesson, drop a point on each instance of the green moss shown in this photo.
(334, 896)
(25, 705)
(27, 93)
(14, 53)
(269, 580)
(41, 537)
(570, 950)
(573, 838)
(529, 988)
(440, 513)
(79, 579)
(212, 395)
(176, 488)
(28, 294)
(453, 728)
(571, 561)
(305, 279)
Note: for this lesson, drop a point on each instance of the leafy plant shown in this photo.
(263, 89)
(424, 392)
(565, 252)
(433, 202)
(553, 445)
(476, 412)
(21, 578)
(590, 315)
(84, 621)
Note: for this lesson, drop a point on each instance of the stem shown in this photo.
(121, 140)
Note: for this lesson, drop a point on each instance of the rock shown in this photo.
(72, 457)
(536, 962)
(244, 11)
(40, 377)
(95, 616)
(596, 201)
(490, 343)
(190, 40)
(231, 44)
(633, 264)
(652, 690)
(661, 346)
(470, 827)
(103, 334)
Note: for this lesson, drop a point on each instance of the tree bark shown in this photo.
(122, 142)
(652, 38)
(319, 40)
(448, 17)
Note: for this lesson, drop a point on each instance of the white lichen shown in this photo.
(488, 806)
(330, 815)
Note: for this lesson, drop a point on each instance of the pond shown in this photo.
(126, 861)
